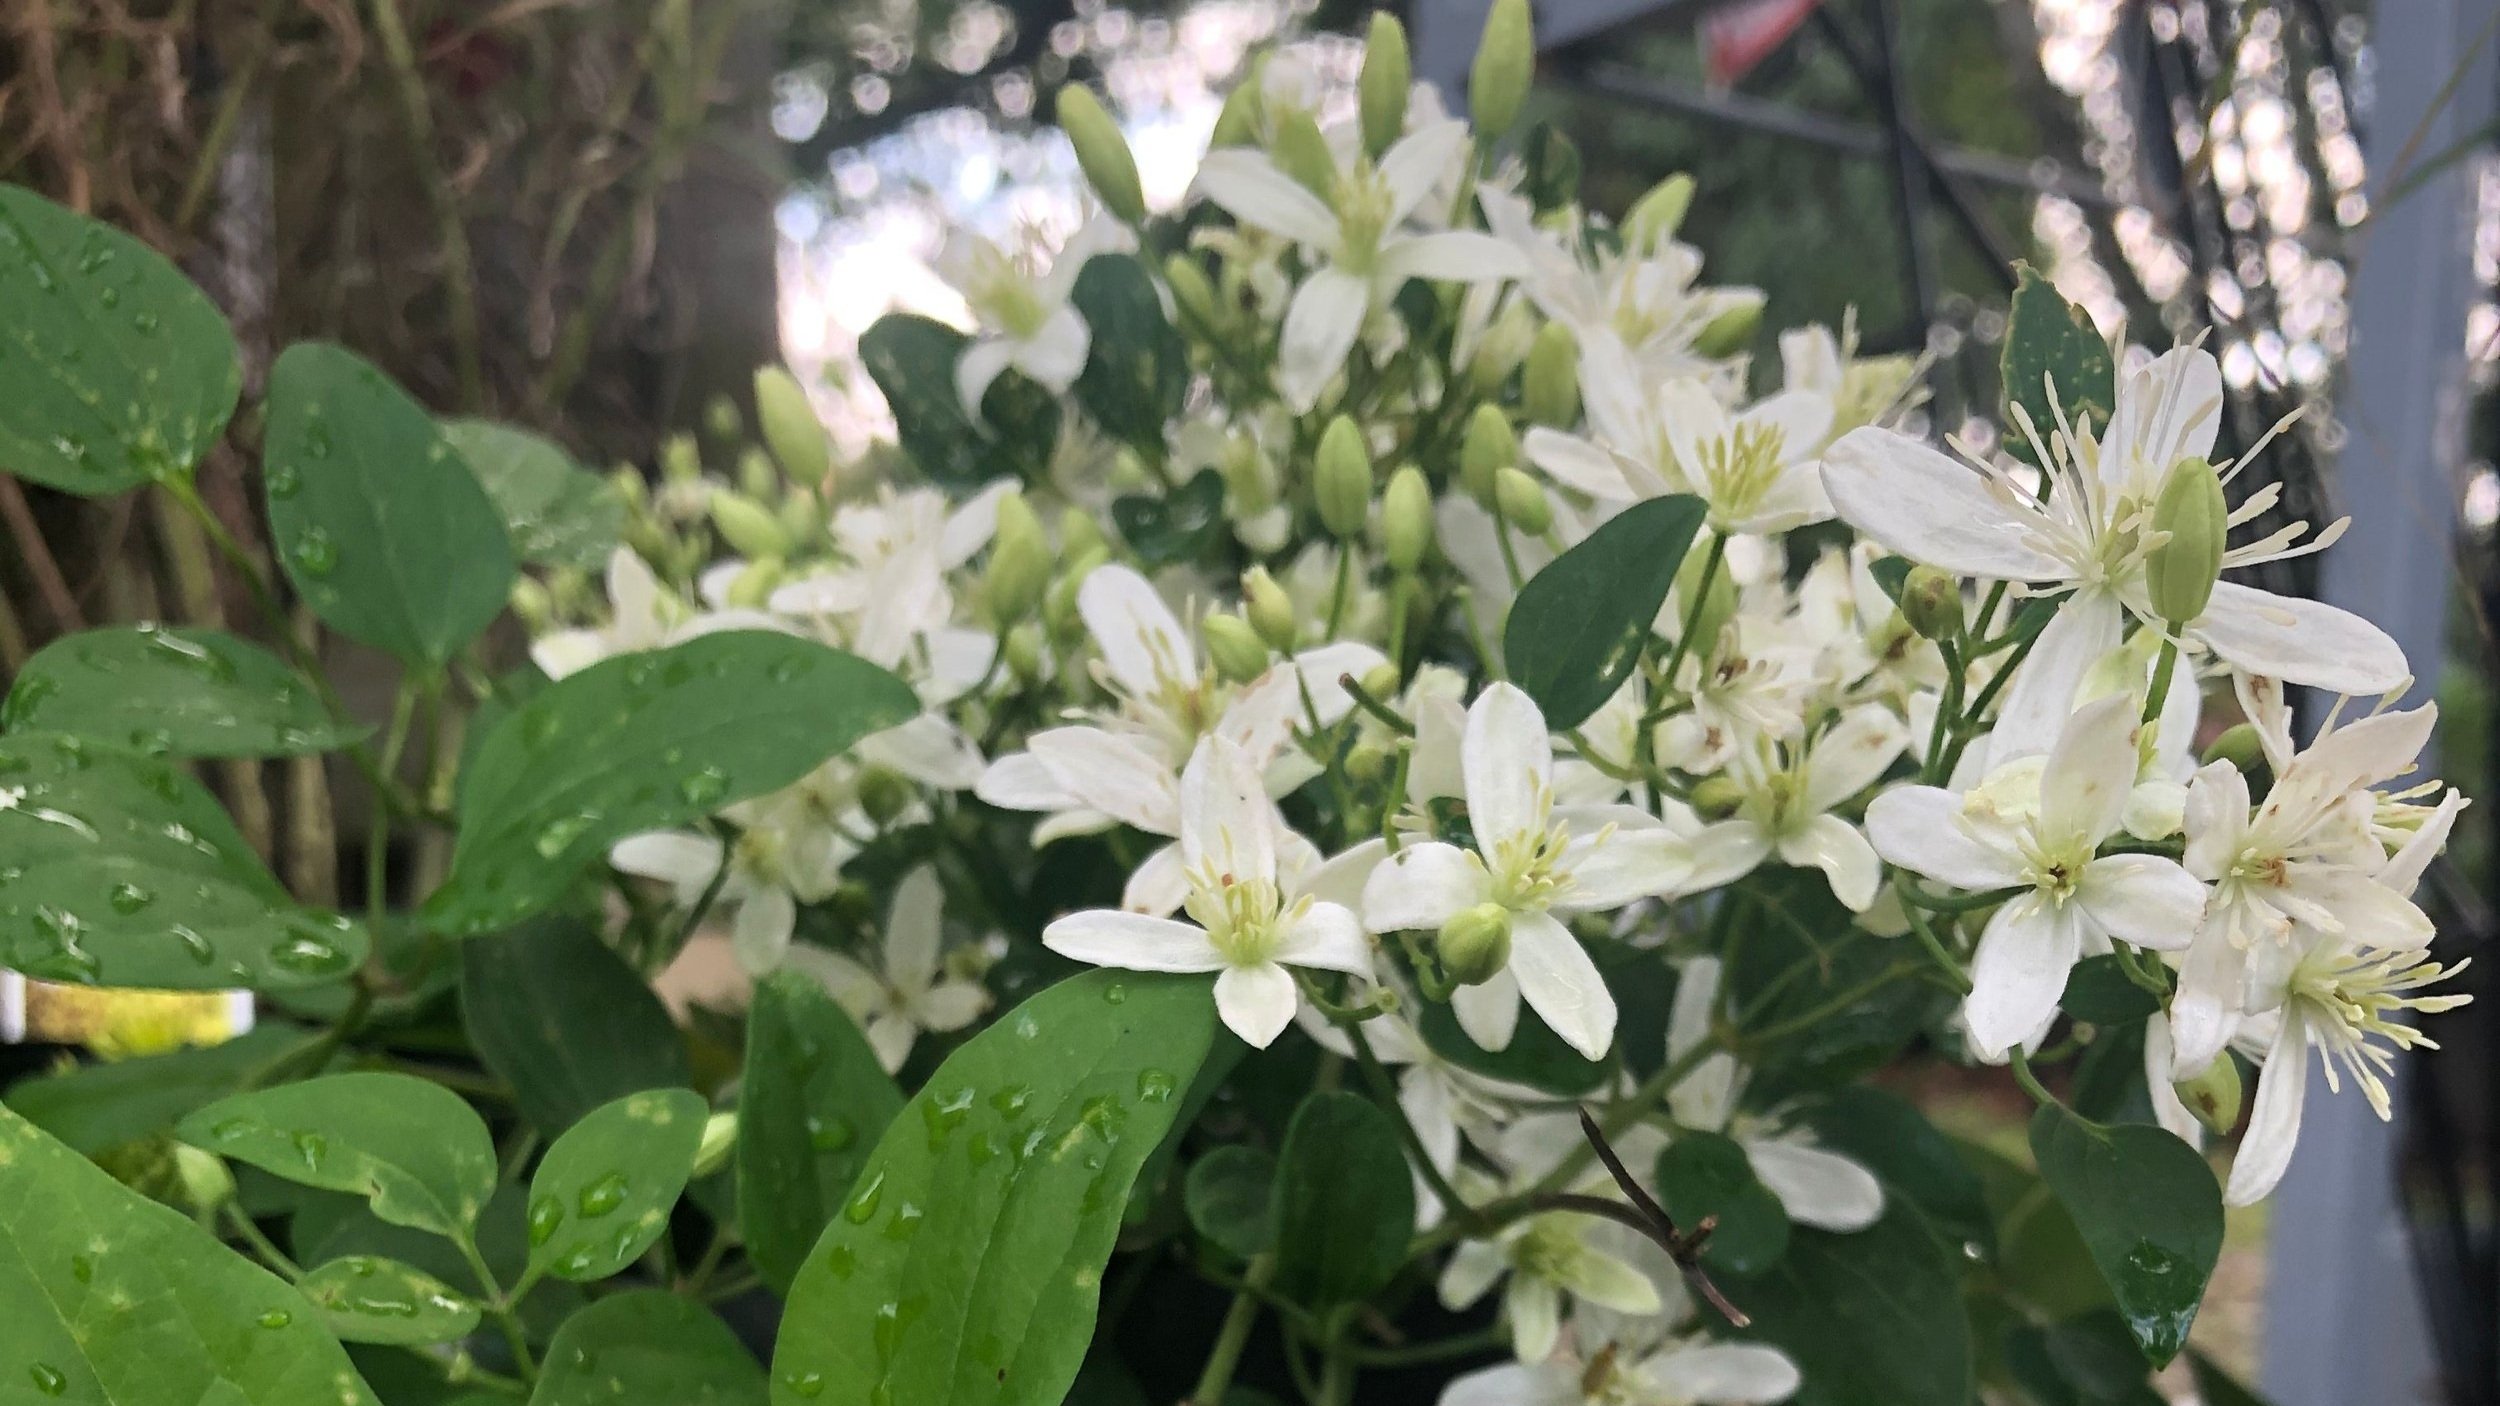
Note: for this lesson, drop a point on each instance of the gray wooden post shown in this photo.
(2344, 1320)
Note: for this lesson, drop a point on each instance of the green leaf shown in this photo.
(109, 1297)
(120, 870)
(120, 372)
(604, 1191)
(1887, 1135)
(555, 512)
(380, 525)
(561, 1018)
(812, 1103)
(1804, 958)
(912, 360)
(646, 742)
(2099, 991)
(1579, 626)
(2085, 1361)
(409, 1146)
(1704, 1175)
(966, 1264)
(167, 691)
(2049, 339)
(1345, 1202)
(1231, 1199)
(1535, 1057)
(2216, 1387)
(97, 1107)
(369, 1299)
(647, 1348)
(1176, 526)
(2150, 1212)
(502, 1237)
(1873, 1317)
(1138, 368)
(1020, 422)
(2041, 1261)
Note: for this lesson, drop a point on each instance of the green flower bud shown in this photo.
(1367, 762)
(1406, 518)
(1020, 561)
(722, 421)
(1269, 609)
(1102, 152)
(1731, 331)
(1550, 385)
(791, 430)
(1387, 76)
(2239, 745)
(1249, 476)
(1303, 153)
(1382, 680)
(1342, 481)
(720, 1138)
(2214, 1096)
(1474, 946)
(2179, 575)
(206, 1182)
(1239, 654)
(1718, 603)
(570, 590)
(1655, 217)
(531, 605)
(680, 460)
(1931, 601)
(751, 529)
(1191, 293)
(1237, 123)
(1490, 447)
(626, 482)
(758, 475)
(1521, 500)
(1505, 62)
(1079, 535)
(802, 516)
(1717, 797)
(753, 587)
(883, 795)
(1024, 652)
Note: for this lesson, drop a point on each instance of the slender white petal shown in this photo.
(1849, 758)
(1228, 824)
(2168, 410)
(1321, 324)
(1922, 829)
(1109, 773)
(1833, 845)
(1535, 1309)
(1728, 1374)
(1561, 984)
(1159, 884)
(1452, 256)
(1326, 935)
(2300, 641)
(1637, 857)
(1474, 1268)
(2169, 1109)
(1423, 886)
(2037, 703)
(1599, 1278)
(1142, 642)
(914, 929)
(2083, 789)
(672, 856)
(2024, 956)
(1508, 759)
(2205, 1010)
(1257, 1003)
(1019, 781)
(2273, 1116)
(951, 1005)
(1489, 1010)
(761, 935)
(1932, 509)
(1817, 1188)
(982, 363)
(1137, 941)
(1575, 463)
(1055, 354)
(2142, 899)
(1251, 188)
(1419, 161)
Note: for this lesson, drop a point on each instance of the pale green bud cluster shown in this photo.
(2179, 573)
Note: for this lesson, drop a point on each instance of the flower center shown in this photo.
(1363, 205)
(2355, 1004)
(1003, 295)
(1738, 469)
(1526, 869)
(1244, 918)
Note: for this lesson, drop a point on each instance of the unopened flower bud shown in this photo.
(1235, 647)
(1716, 797)
(1102, 153)
(1655, 217)
(626, 482)
(1474, 946)
(720, 1138)
(1382, 680)
(1079, 535)
(1237, 122)
(1505, 62)
(758, 475)
(680, 460)
(722, 421)
(1550, 384)
(206, 1182)
(2239, 745)
(750, 528)
(1388, 74)
(1269, 609)
(883, 795)
(802, 516)
(1342, 481)
(791, 430)
(1731, 331)
(1249, 476)
(531, 605)
(1490, 447)
(1718, 600)
(1302, 153)
(752, 588)
(1406, 518)
(1521, 501)
(1024, 652)
(2179, 575)
(2214, 1095)
(1020, 563)
(1191, 293)
(1367, 762)
(1931, 601)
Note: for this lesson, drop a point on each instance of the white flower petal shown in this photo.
(672, 856)
(1423, 886)
(2168, 410)
(1922, 829)
(1136, 941)
(1109, 773)
(2205, 1009)
(2024, 956)
(1932, 509)
(1846, 760)
(1728, 1374)
(1321, 325)
(1257, 1003)
(1474, 1268)
(1253, 190)
(1419, 161)
(1142, 642)
(1451, 256)
(1561, 984)
(2142, 899)
(1326, 935)
(761, 935)
(1817, 1188)
(1054, 356)
(2169, 1109)
(2041, 698)
(2273, 1116)
(1508, 760)
(981, 363)
(2300, 641)
(914, 929)
(1019, 781)
(2091, 770)
(1159, 885)
(1228, 825)
(1535, 1309)
(1574, 462)
(1833, 845)
(1489, 1010)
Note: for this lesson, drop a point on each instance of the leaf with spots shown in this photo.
(109, 1297)
(556, 512)
(2150, 1212)
(603, 1193)
(811, 1104)
(168, 691)
(966, 1265)
(119, 371)
(121, 870)
(2049, 341)
(377, 521)
(412, 1148)
(648, 1348)
(646, 742)
(369, 1299)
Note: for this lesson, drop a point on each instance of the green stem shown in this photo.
(499, 1306)
(262, 1246)
(2166, 664)
(1217, 1376)
(378, 833)
(2021, 1064)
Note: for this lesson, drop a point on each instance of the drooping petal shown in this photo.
(1817, 1188)
(1728, 1374)
(2205, 1010)
(1489, 1010)
(1142, 642)
(2300, 641)
(1321, 324)
(1108, 938)
(1849, 758)
(971, 525)
(1251, 188)
(2084, 787)
(1326, 935)
(1112, 774)
(2273, 1116)
(2369, 913)
(2024, 956)
(1922, 829)
(1725, 851)
(568, 651)
(1423, 886)
(1257, 1003)
(2142, 899)
(1932, 509)
(891, 1037)
(1343, 877)
(1535, 1309)
(914, 929)
(761, 935)
(1474, 1268)
(1508, 759)
(1833, 845)
(1159, 884)
(1561, 984)
(2169, 1109)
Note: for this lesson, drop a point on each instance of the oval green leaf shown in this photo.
(1873, 1316)
(555, 512)
(2049, 340)
(1231, 1199)
(378, 522)
(121, 870)
(120, 372)
(167, 691)
(97, 1107)
(645, 742)
(109, 1297)
(966, 1264)
(369, 1299)
(1137, 368)
(647, 1348)
(1702, 1175)
(1577, 630)
(603, 1193)
(812, 1103)
(1345, 1202)
(411, 1147)
(912, 360)
(2149, 1211)
(555, 1013)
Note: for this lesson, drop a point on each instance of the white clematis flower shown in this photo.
(2037, 826)
(906, 993)
(1788, 793)
(1690, 1373)
(1025, 319)
(642, 614)
(1537, 864)
(1542, 1261)
(1249, 924)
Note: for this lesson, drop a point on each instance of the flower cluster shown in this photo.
(1946, 705)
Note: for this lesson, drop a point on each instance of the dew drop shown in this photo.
(48, 1379)
(546, 1213)
(314, 553)
(828, 1134)
(128, 898)
(603, 1196)
(807, 1384)
(1115, 993)
(275, 1318)
(863, 1202)
(703, 788)
(82, 1269)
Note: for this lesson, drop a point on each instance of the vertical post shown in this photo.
(2344, 1319)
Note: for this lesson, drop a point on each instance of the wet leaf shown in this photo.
(556, 512)
(369, 1299)
(2048, 339)
(811, 1106)
(561, 1018)
(2150, 1212)
(1872, 1317)
(162, 690)
(603, 1193)
(1706, 1174)
(97, 1107)
(648, 1348)
(1231, 1199)
(1137, 367)
(412, 1148)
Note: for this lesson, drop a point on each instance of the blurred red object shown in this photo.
(1742, 33)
